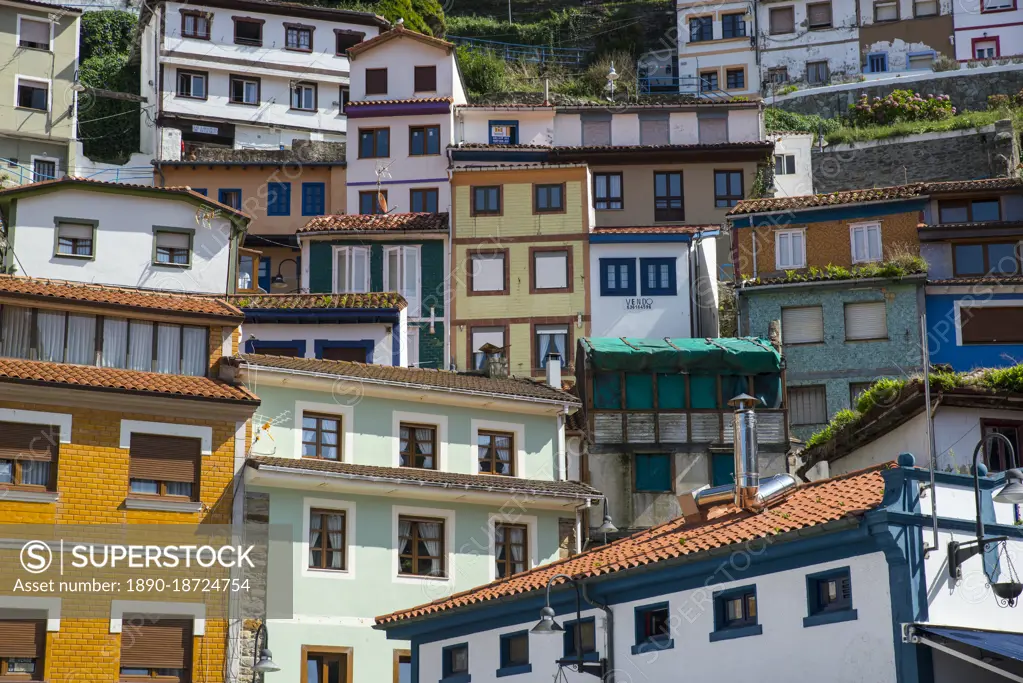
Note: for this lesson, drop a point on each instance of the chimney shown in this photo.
(554, 369)
(747, 462)
(495, 364)
(546, 92)
(774, 334)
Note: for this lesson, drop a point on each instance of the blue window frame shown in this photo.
(658, 277)
(278, 199)
(201, 190)
(653, 473)
(653, 628)
(503, 132)
(265, 278)
(359, 350)
(455, 663)
(618, 277)
(877, 62)
(294, 348)
(829, 597)
(735, 614)
(314, 199)
(230, 196)
(588, 639)
(514, 654)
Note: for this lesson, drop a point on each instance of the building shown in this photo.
(988, 29)
(112, 418)
(905, 35)
(831, 581)
(407, 253)
(716, 54)
(808, 42)
(793, 168)
(39, 49)
(249, 74)
(90, 231)
(397, 484)
(655, 419)
(840, 272)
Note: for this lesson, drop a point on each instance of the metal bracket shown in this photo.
(960, 552)
(598, 668)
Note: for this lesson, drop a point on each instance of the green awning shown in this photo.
(743, 355)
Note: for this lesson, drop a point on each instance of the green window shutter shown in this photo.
(653, 472)
(722, 469)
(703, 392)
(321, 269)
(607, 391)
(671, 392)
(639, 391)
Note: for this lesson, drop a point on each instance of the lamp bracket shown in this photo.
(598, 668)
(960, 552)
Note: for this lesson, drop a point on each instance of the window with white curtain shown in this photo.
(115, 343)
(551, 339)
(17, 332)
(140, 345)
(351, 269)
(790, 249)
(866, 242)
(81, 339)
(50, 328)
(421, 546)
(402, 275)
(168, 349)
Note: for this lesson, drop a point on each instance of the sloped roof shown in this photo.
(809, 505)
(654, 229)
(355, 104)
(398, 32)
(370, 300)
(388, 222)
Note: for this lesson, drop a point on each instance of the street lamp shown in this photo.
(548, 626)
(607, 527)
(1006, 592)
(612, 76)
(277, 281)
(263, 663)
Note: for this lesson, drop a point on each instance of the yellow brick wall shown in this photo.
(517, 219)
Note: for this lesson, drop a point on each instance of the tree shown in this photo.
(393, 10)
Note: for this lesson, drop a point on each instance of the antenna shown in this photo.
(383, 173)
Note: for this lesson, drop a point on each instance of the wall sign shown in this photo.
(639, 304)
(205, 130)
(500, 134)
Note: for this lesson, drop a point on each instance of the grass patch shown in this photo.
(840, 420)
(897, 267)
(964, 121)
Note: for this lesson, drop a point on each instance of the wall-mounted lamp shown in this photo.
(548, 626)
(262, 663)
(277, 281)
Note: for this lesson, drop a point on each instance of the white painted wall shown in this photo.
(124, 241)
(535, 127)
(625, 129)
(971, 24)
(716, 54)
(379, 334)
(838, 45)
(745, 125)
(400, 56)
(683, 128)
(568, 130)
(905, 10)
(801, 182)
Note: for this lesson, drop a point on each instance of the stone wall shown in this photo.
(987, 152)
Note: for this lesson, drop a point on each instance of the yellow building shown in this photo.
(520, 263)
(110, 414)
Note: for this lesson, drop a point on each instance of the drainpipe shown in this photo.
(159, 169)
(693, 256)
(580, 511)
(609, 633)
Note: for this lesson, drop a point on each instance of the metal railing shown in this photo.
(14, 173)
(681, 426)
(514, 52)
(687, 85)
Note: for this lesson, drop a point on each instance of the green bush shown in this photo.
(107, 32)
(392, 10)
(432, 15)
(778, 119)
(997, 102)
(558, 28)
(945, 63)
(593, 81)
(899, 106)
(483, 71)
(1006, 379)
(840, 420)
(109, 129)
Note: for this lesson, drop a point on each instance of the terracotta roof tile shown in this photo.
(753, 144)
(806, 506)
(17, 371)
(991, 280)
(36, 289)
(264, 302)
(398, 32)
(478, 482)
(412, 100)
(968, 185)
(389, 222)
(654, 229)
(510, 387)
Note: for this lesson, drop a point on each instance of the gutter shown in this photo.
(796, 210)
(609, 632)
(913, 277)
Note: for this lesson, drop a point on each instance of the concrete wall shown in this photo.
(838, 45)
(800, 182)
(910, 36)
(399, 56)
(535, 127)
(377, 335)
(744, 125)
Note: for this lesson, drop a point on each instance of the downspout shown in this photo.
(609, 632)
(580, 510)
(448, 300)
(159, 169)
(693, 251)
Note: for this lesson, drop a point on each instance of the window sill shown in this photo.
(457, 678)
(860, 341)
(244, 104)
(514, 670)
(740, 632)
(655, 645)
(190, 97)
(305, 111)
(181, 266)
(40, 111)
(830, 618)
(76, 257)
(14, 495)
(423, 577)
(298, 49)
(157, 505)
(572, 659)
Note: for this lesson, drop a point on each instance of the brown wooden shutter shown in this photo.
(782, 20)
(376, 81)
(992, 324)
(22, 638)
(19, 441)
(165, 458)
(166, 644)
(819, 14)
(426, 78)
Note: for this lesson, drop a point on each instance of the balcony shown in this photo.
(677, 427)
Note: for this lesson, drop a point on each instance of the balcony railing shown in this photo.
(681, 426)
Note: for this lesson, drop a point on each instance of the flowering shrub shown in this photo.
(1004, 101)
(900, 105)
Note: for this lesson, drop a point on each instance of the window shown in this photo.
(802, 325)
(344, 39)
(818, 15)
(321, 436)
(653, 627)
(877, 63)
(708, 81)
(886, 10)
(231, 197)
(158, 649)
(172, 248)
(248, 31)
(966, 211)
(985, 49)
(991, 324)
(782, 20)
(866, 242)
(244, 90)
(22, 649)
(921, 62)
(551, 339)
(248, 269)
(278, 199)
(808, 405)
(192, 84)
(997, 5)
(483, 336)
(76, 239)
(668, 200)
(374, 143)
(303, 96)
(298, 37)
(607, 192)
(165, 466)
(733, 25)
(654, 473)
(455, 662)
(418, 446)
(596, 131)
(195, 25)
(735, 608)
(549, 198)
(503, 132)
(735, 79)
(996, 455)
(790, 249)
(314, 199)
(326, 665)
(43, 169)
(486, 201)
(778, 75)
(488, 272)
(376, 81)
(866, 321)
(727, 188)
(700, 29)
(33, 94)
(712, 129)
(412, 346)
(402, 666)
(515, 652)
(351, 269)
(856, 389)
(496, 452)
(344, 97)
(658, 277)
(995, 258)
(327, 540)
(373, 202)
(129, 345)
(425, 79)
(551, 270)
(402, 274)
(828, 593)
(421, 546)
(33, 34)
(28, 459)
(580, 639)
(617, 277)
(424, 140)
(817, 72)
(925, 8)
(423, 200)
(653, 129)
(510, 549)
(784, 164)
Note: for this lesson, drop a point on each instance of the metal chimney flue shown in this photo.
(747, 462)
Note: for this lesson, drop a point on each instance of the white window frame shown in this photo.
(49, 26)
(32, 79)
(56, 169)
(784, 157)
(344, 412)
(300, 88)
(192, 75)
(38, 417)
(332, 505)
(197, 611)
(994, 46)
(440, 422)
(866, 228)
(348, 251)
(532, 539)
(958, 307)
(517, 429)
(448, 516)
(999, 5)
(414, 305)
(777, 254)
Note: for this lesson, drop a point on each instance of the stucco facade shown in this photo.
(723, 51)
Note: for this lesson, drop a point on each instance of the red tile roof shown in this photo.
(413, 100)
(807, 506)
(17, 371)
(150, 300)
(388, 222)
(654, 229)
(317, 301)
(398, 32)
(752, 144)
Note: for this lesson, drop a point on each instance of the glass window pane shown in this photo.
(986, 210)
(168, 349)
(953, 213)
(17, 331)
(50, 328)
(147, 486)
(140, 346)
(1001, 258)
(969, 259)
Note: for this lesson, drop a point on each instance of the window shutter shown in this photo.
(22, 638)
(19, 441)
(487, 272)
(164, 458)
(425, 78)
(35, 32)
(376, 81)
(551, 269)
(597, 133)
(990, 324)
(866, 320)
(410, 280)
(820, 15)
(177, 240)
(790, 164)
(75, 230)
(808, 405)
(713, 130)
(166, 644)
(804, 325)
(493, 337)
(782, 20)
(653, 132)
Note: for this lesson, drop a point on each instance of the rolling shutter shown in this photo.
(20, 441)
(819, 14)
(487, 272)
(804, 325)
(866, 320)
(808, 405)
(654, 131)
(991, 324)
(165, 458)
(166, 644)
(597, 133)
(22, 638)
(551, 269)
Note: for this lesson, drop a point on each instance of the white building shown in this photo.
(988, 29)
(811, 42)
(127, 235)
(716, 48)
(246, 73)
(793, 168)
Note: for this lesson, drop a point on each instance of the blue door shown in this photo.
(722, 469)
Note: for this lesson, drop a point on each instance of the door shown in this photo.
(43, 170)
